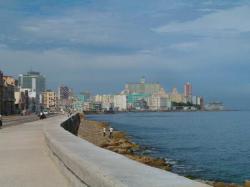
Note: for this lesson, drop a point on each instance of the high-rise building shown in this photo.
(159, 102)
(134, 97)
(1, 92)
(120, 102)
(65, 97)
(188, 89)
(63, 92)
(49, 100)
(143, 87)
(33, 81)
(176, 97)
(106, 100)
(9, 84)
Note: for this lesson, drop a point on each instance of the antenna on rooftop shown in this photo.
(143, 80)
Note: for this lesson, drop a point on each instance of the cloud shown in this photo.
(229, 22)
(184, 46)
(83, 27)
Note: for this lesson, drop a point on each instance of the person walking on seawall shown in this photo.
(111, 132)
(1, 122)
(104, 131)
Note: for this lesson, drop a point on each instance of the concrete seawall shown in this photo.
(88, 165)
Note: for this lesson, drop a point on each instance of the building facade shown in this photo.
(35, 83)
(9, 84)
(78, 103)
(106, 100)
(188, 90)
(1, 92)
(120, 102)
(143, 87)
(134, 97)
(32, 80)
(159, 102)
(21, 101)
(64, 96)
(49, 100)
(176, 97)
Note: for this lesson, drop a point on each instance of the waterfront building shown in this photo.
(87, 95)
(63, 93)
(64, 97)
(120, 102)
(32, 100)
(78, 103)
(21, 101)
(86, 106)
(176, 97)
(214, 106)
(194, 100)
(159, 102)
(188, 89)
(96, 106)
(49, 100)
(134, 97)
(106, 100)
(141, 105)
(1, 92)
(35, 84)
(9, 84)
(143, 87)
(202, 103)
(32, 80)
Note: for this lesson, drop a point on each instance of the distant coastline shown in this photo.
(153, 111)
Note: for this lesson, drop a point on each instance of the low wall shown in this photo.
(88, 165)
(72, 124)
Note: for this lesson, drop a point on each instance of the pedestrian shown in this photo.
(111, 132)
(1, 122)
(104, 131)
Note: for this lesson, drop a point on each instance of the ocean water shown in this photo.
(206, 145)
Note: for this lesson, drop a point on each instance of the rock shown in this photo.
(122, 140)
(247, 184)
(127, 145)
(119, 135)
(114, 143)
(222, 184)
(104, 145)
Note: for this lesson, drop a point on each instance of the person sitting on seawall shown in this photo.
(1, 122)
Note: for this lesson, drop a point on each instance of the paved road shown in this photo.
(17, 119)
(24, 158)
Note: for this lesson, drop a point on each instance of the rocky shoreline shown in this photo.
(92, 131)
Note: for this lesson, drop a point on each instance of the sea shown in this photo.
(213, 146)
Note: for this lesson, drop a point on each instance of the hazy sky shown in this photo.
(99, 45)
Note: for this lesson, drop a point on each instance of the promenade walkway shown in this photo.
(25, 160)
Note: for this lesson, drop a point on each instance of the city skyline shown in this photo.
(100, 46)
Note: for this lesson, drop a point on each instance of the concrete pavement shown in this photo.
(17, 119)
(25, 160)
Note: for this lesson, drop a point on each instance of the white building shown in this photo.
(120, 102)
(159, 102)
(106, 100)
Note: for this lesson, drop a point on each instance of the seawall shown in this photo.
(88, 165)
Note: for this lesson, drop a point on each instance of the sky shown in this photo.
(100, 45)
